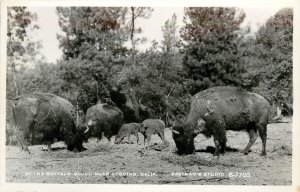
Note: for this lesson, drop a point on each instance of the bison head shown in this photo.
(91, 120)
(75, 138)
(84, 131)
(121, 135)
(184, 133)
(142, 128)
(118, 140)
(123, 132)
(184, 140)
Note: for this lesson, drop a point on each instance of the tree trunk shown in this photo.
(14, 72)
(15, 81)
(131, 91)
(132, 36)
(135, 104)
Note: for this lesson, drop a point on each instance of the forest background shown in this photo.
(100, 61)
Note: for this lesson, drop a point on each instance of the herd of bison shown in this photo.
(44, 119)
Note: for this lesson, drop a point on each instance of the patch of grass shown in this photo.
(102, 148)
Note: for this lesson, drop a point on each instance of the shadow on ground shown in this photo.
(211, 149)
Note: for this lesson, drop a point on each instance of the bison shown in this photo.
(103, 118)
(152, 126)
(48, 115)
(217, 109)
(127, 130)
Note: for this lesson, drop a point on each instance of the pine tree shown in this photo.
(169, 30)
(212, 36)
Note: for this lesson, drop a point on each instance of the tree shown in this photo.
(43, 77)
(270, 59)
(159, 83)
(98, 28)
(212, 36)
(169, 30)
(93, 51)
(21, 49)
(130, 73)
(96, 65)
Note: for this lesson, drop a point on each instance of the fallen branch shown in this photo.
(183, 181)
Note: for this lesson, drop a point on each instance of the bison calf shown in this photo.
(127, 130)
(215, 110)
(150, 127)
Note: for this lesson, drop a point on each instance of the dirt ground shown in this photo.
(106, 162)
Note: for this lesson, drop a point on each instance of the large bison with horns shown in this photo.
(48, 115)
(103, 118)
(215, 110)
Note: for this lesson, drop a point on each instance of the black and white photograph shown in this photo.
(156, 95)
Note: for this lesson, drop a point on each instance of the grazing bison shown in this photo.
(127, 130)
(47, 115)
(150, 127)
(103, 118)
(215, 110)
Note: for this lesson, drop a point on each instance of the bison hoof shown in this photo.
(216, 154)
(246, 152)
(26, 149)
(263, 154)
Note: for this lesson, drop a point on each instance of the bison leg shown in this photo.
(145, 137)
(223, 147)
(137, 137)
(48, 137)
(253, 137)
(263, 135)
(162, 136)
(217, 151)
(49, 145)
(128, 138)
(21, 137)
(108, 133)
(23, 144)
(100, 135)
(108, 136)
(219, 132)
(148, 140)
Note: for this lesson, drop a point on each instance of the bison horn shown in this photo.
(176, 132)
(87, 129)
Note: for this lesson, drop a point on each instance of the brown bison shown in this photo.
(48, 115)
(127, 130)
(103, 118)
(215, 110)
(152, 126)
